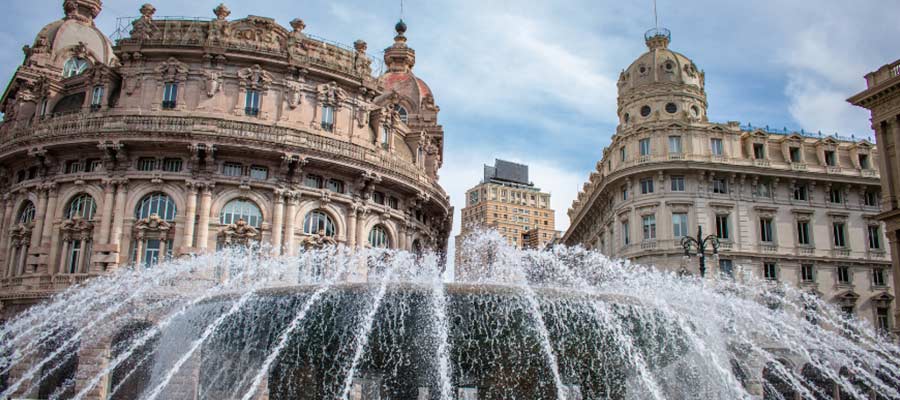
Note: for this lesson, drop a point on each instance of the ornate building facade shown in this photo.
(192, 134)
(882, 98)
(786, 206)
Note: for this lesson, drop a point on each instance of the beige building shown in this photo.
(791, 207)
(882, 98)
(191, 134)
(506, 201)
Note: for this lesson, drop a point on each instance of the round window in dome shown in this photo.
(643, 69)
(671, 108)
(626, 117)
(669, 66)
(645, 111)
(695, 111)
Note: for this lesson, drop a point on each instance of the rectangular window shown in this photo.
(878, 278)
(807, 273)
(378, 197)
(146, 164)
(170, 94)
(677, 183)
(313, 181)
(830, 159)
(722, 228)
(336, 185)
(795, 154)
(96, 98)
(44, 105)
(770, 271)
(328, 118)
(622, 154)
(251, 104)
(803, 236)
(624, 192)
(836, 196)
(871, 198)
(864, 161)
(172, 164)
(843, 274)
(765, 230)
(232, 169)
(646, 185)
(626, 235)
(93, 164)
(473, 197)
(675, 144)
(385, 137)
(726, 267)
(801, 192)
(883, 319)
(393, 203)
(644, 145)
(259, 172)
(649, 223)
(759, 151)
(716, 147)
(874, 237)
(679, 225)
(838, 233)
(74, 166)
(720, 186)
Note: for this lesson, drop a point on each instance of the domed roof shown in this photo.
(74, 34)
(660, 65)
(399, 77)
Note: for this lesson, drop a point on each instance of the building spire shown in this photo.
(657, 38)
(399, 57)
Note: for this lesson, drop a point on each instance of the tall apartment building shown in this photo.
(505, 200)
(796, 207)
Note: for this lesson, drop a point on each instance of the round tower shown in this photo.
(660, 85)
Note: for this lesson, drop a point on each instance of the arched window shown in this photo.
(157, 203)
(27, 213)
(318, 220)
(82, 206)
(378, 237)
(404, 115)
(74, 66)
(239, 209)
(153, 240)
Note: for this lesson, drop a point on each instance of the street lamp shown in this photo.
(698, 247)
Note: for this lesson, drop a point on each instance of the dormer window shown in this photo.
(864, 161)
(830, 159)
(328, 118)
(251, 104)
(759, 151)
(74, 66)
(795, 154)
(170, 94)
(96, 98)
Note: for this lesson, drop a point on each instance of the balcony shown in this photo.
(761, 163)
(870, 173)
(725, 245)
(648, 244)
(644, 159)
(804, 250)
(876, 254)
(768, 247)
(676, 156)
(251, 111)
(840, 252)
(832, 169)
(796, 166)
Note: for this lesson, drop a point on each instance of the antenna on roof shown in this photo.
(401, 9)
(655, 17)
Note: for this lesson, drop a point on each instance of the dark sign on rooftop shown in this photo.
(507, 171)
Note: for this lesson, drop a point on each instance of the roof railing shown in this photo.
(654, 32)
(785, 131)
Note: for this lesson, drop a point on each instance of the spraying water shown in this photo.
(364, 324)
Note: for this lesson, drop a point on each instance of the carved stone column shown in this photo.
(7, 223)
(49, 214)
(187, 241)
(119, 215)
(351, 225)
(293, 198)
(106, 214)
(277, 221)
(203, 220)
(361, 239)
(39, 218)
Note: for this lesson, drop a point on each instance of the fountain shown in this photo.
(333, 323)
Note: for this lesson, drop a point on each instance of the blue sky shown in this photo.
(534, 81)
